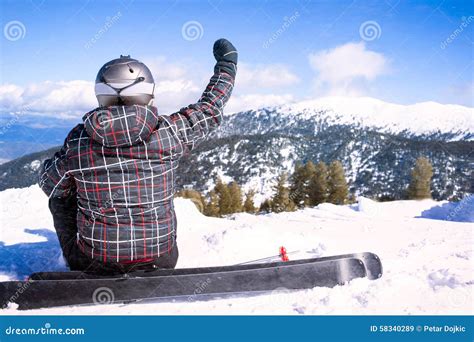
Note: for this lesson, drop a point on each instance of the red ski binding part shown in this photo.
(283, 254)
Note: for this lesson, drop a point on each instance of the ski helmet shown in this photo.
(124, 81)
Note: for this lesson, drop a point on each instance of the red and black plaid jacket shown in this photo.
(121, 161)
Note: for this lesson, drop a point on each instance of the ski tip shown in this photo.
(372, 263)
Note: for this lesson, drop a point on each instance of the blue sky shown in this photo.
(420, 50)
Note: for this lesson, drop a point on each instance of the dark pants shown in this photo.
(64, 215)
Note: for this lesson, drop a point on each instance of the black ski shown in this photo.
(50, 289)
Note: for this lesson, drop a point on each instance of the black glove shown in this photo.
(224, 51)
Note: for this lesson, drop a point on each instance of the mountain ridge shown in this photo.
(424, 118)
(252, 147)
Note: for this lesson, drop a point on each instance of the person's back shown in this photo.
(115, 175)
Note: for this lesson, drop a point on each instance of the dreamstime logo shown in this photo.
(14, 120)
(110, 202)
(460, 208)
(14, 30)
(459, 297)
(281, 297)
(192, 30)
(104, 119)
(47, 329)
(287, 22)
(370, 30)
(465, 21)
(103, 209)
(200, 289)
(109, 22)
(4, 128)
(22, 287)
(103, 295)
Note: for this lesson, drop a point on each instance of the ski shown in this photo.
(52, 289)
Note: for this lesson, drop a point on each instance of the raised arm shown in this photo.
(193, 123)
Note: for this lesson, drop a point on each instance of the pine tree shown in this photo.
(338, 189)
(310, 171)
(235, 197)
(421, 174)
(281, 201)
(212, 205)
(224, 202)
(318, 186)
(300, 183)
(297, 187)
(266, 206)
(195, 196)
(249, 205)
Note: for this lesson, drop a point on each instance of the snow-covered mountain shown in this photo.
(424, 118)
(425, 248)
(377, 143)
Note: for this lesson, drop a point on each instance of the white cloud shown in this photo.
(175, 86)
(65, 97)
(72, 99)
(170, 96)
(239, 103)
(265, 76)
(346, 69)
(62, 98)
(178, 84)
(10, 96)
(253, 87)
(164, 71)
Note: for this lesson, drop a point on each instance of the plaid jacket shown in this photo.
(121, 163)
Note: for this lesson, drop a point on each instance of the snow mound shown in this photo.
(186, 209)
(411, 208)
(22, 209)
(368, 207)
(462, 211)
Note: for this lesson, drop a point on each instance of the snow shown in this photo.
(462, 211)
(427, 261)
(419, 118)
(286, 153)
(34, 165)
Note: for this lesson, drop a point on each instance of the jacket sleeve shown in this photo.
(55, 179)
(193, 123)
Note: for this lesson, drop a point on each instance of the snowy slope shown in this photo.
(418, 119)
(427, 255)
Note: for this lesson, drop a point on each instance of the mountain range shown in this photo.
(377, 142)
